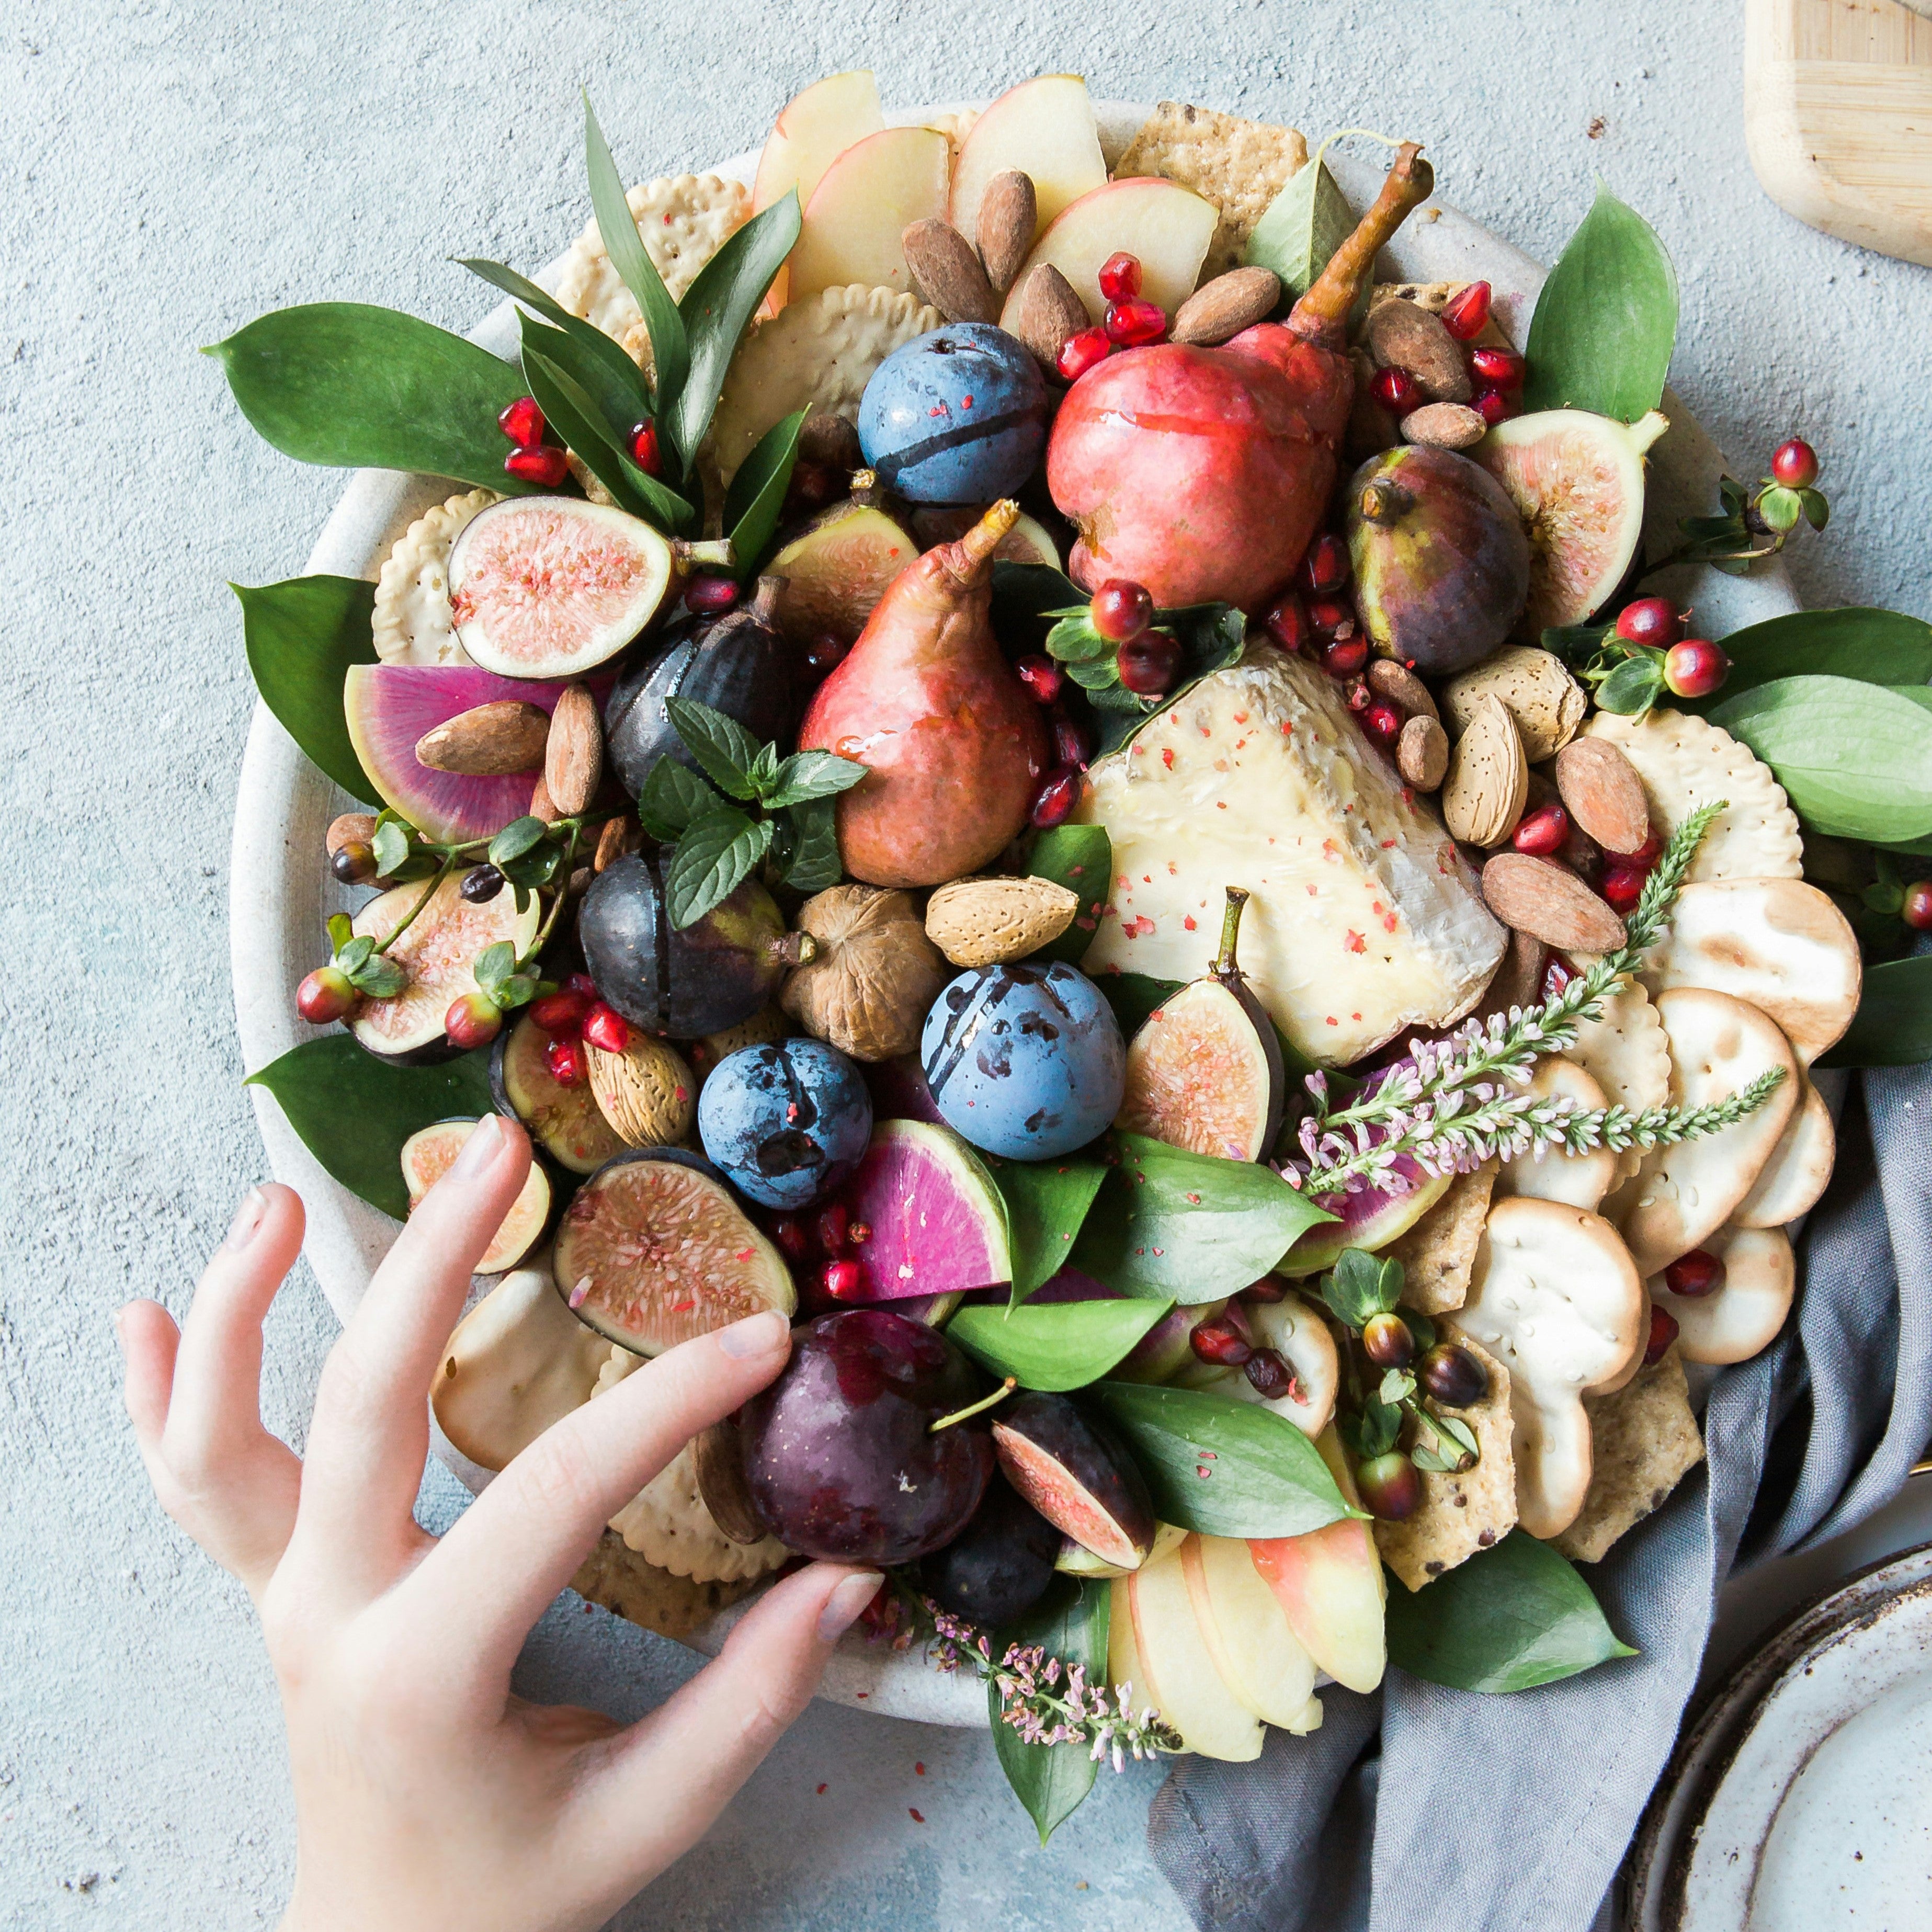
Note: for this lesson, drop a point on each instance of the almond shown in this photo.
(1444, 426)
(1008, 214)
(489, 742)
(352, 828)
(541, 806)
(1399, 686)
(1422, 753)
(1221, 309)
(1402, 335)
(1550, 903)
(1547, 703)
(1604, 794)
(948, 272)
(621, 834)
(987, 921)
(646, 1093)
(1043, 311)
(574, 758)
(1487, 779)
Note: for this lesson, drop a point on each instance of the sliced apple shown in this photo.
(1044, 127)
(1162, 224)
(1246, 1630)
(1177, 1674)
(863, 203)
(813, 130)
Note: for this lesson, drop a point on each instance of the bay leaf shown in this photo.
(1056, 1345)
(1301, 228)
(1081, 858)
(1070, 1622)
(1871, 646)
(301, 636)
(1047, 1203)
(1893, 1025)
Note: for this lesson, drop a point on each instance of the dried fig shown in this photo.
(875, 973)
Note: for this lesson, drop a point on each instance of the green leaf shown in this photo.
(712, 860)
(521, 835)
(809, 774)
(672, 797)
(1058, 1346)
(1607, 320)
(597, 362)
(494, 965)
(379, 978)
(1361, 1285)
(302, 637)
(1189, 1226)
(1070, 1622)
(1027, 597)
(1262, 1476)
(724, 750)
(1893, 1025)
(1302, 227)
(814, 863)
(1871, 646)
(1369, 1431)
(1855, 759)
(1509, 1618)
(391, 846)
(756, 498)
(1134, 996)
(352, 386)
(1081, 858)
(354, 1112)
(1633, 687)
(1047, 1202)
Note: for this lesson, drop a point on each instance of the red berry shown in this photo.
(1387, 1342)
(1497, 368)
(1464, 315)
(523, 422)
(473, 1021)
(1492, 405)
(832, 1227)
(1270, 1374)
(1221, 1342)
(1452, 1375)
(1270, 1288)
(583, 986)
(1390, 1486)
(325, 996)
(1121, 610)
(1663, 1333)
(844, 1280)
(1071, 744)
(1133, 324)
(1916, 908)
(565, 1059)
(826, 653)
(1623, 886)
(1795, 464)
(1079, 353)
(1652, 620)
(1695, 1275)
(1647, 854)
(1695, 667)
(1544, 831)
(560, 1012)
(793, 1242)
(1041, 676)
(1149, 664)
(1397, 391)
(544, 464)
(1346, 658)
(605, 1029)
(706, 594)
(1054, 800)
(1325, 566)
(1328, 614)
(1382, 722)
(1120, 276)
(1286, 622)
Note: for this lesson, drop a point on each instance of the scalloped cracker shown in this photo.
(1645, 1441)
(1240, 165)
(623, 1582)
(412, 622)
(668, 1524)
(1438, 1251)
(1628, 1055)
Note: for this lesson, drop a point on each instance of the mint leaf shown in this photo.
(672, 797)
(814, 863)
(724, 750)
(713, 858)
(808, 775)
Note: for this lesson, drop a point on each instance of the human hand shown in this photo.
(426, 1795)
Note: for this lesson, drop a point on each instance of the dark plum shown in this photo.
(998, 1567)
(1076, 1476)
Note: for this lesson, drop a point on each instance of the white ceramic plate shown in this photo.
(280, 895)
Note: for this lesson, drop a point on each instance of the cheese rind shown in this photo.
(1364, 919)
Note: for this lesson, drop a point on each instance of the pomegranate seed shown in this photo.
(1652, 620)
(844, 1280)
(1497, 368)
(1071, 744)
(523, 422)
(1663, 1333)
(644, 450)
(606, 1030)
(1795, 464)
(1916, 907)
(1382, 722)
(1492, 405)
(859, 1233)
(1041, 676)
(1054, 800)
(1131, 324)
(583, 986)
(793, 1242)
(1328, 614)
(1647, 854)
(544, 464)
(473, 1021)
(813, 485)
(1464, 315)
(1622, 887)
(1221, 1342)
(325, 996)
(1286, 622)
(1583, 855)
(1121, 610)
(1542, 832)
(1149, 664)
(1325, 567)
(1080, 352)
(1698, 1273)
(1397, 391)
(561, 1012)
(1695, 667)
(832, 1226)
(1346, 658)
(826, 653)
(1359, 694)
(565, 1059)
(707, 594)
(1121, 277)
(1270, 1374)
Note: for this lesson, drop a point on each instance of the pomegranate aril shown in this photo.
(1492, 405)
(1269, 1374)
(1071, 744)
(1080, 352)
(605, 1028)
(565, 1059)
(792, 1241)
(1916, 907)
(561, 1012)
(1120, 277)
(1325, 567)
(1695, 1275)
(1346, 658)
(844, 1280)
(1054, 800)
(826, 653)
(583, 986)
(1497, 368)
(1622, 887)
(832, 1226)
(523, 422)
(1397, 391)
(1663, 1333)
(1120, 610)
(1286, 621)
(1132, 324)
(1221, 1342)
(1150, 663)
(706, 595)
(1328, 614)
(1652, 620)
(1464, 315)
(1695, 668)
(1544, 832)
(1555, 977)
(544, 464)
(1647, 854)
(644, 450)
(1383, 723)
(1795, 464)
(1041, 676)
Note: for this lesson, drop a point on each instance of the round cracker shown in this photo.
(1744, 1316)
(668, 1524)
(412, 623)
(1546, 1174)
(1799, 1168)
(1626, 1053)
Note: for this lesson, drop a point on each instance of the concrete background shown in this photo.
(174, 170)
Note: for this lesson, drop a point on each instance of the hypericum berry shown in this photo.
(706, 594)
(1120, 276)
(1054, 800)
(544, 464)
(1149, 664)
(844, 1280)
(1270, 1288)
(1269, 1374)
(1328, 614)
(858, 1233)
(475, 1020)
(1452, 1375)
(1492, 405)
(607, 1029)
(1041, 676)
(560, 1012)
(1622, 887)
(1383, 723)
(1132, 324)
(1497, 368)
(1695, 1275)
(832, 1227)
(1220, 1343)
(1071, 744)
(1663, 1333)
(1795, 464)
(565, 1059)
(354, 863)
(1390, 1487)
(1121, 610)
(1398, 392)
(1464, 316)
(1346, 658)
(826, 653)
(1695, 668)
(645, 452)
(325, 996)
(1652, 620)
(1080, 352)
(1915, 908)
(523, 422)
(481, 884)
(1324, 568)
(1387, 1341)
(1286, 621)
(1542, 832)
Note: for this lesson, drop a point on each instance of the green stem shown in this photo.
(429, 893)
(985, 1402)
(1224, 967)
(544, 932)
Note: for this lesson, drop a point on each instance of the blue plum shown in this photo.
(785, 1121)
(1026, 1061)
(958, 416)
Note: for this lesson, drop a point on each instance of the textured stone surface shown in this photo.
(173, 169)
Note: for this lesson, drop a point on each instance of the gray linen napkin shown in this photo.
(1511, 1814)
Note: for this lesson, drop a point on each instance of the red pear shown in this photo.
(956, 746)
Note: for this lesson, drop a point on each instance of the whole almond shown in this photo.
(542, 804)
(1444, 426)
(987, 921)
(1604, 794)
(1547, 703)
(574, 758)
(1403, 335)
(352, 828)
(1043, 311)
(1009, 214)
(490, 741)
(1550, 903)
(1399, 686)
(948, 272)
(1221, 309)
(1487, 779)
(1422, 752)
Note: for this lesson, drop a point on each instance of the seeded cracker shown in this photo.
(1240, 165)
(1461, 1514)
(1438, 1251)
(623, 1582)
(1645, 1441)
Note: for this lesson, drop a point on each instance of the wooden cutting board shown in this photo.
(1838, 117)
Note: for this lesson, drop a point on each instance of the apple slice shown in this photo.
(1178, 1676)
(813, 129)
(1044, 128)
(1162, 224)
(863, 203)
(1246, 1630)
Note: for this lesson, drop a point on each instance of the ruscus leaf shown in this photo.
(1047, 1202)
(301, 636)
(1070, 1622)
(1056, 1346)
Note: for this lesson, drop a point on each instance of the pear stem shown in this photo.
(977, 547)
(1224, 967)
(1321, 316)
(1000, 1394)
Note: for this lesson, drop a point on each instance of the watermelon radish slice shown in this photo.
(938, 1223)
(1370, 1219)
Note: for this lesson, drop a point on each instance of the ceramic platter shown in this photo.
(279, 894)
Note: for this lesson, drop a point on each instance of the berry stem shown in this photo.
(443, 872)
(984, 1402)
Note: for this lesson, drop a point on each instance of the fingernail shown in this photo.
(120, 1316)
(247, 1219)
(763, 1334)
(480, 1150)
(843, 1606)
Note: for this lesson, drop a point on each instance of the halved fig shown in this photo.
(439, 952)
(1076, 1559)
(1205, 1071)
(566, 1122)
(427, 1156)
(1576, 481)
(718, 1459)
(654, 1250)
(1073, 1472)
(836, 571)
(549, 586)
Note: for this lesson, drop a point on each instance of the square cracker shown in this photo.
(1644, 1441)
(1240, 165)
(1460, 1514)
(1438, 1253)
(617, 1577)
